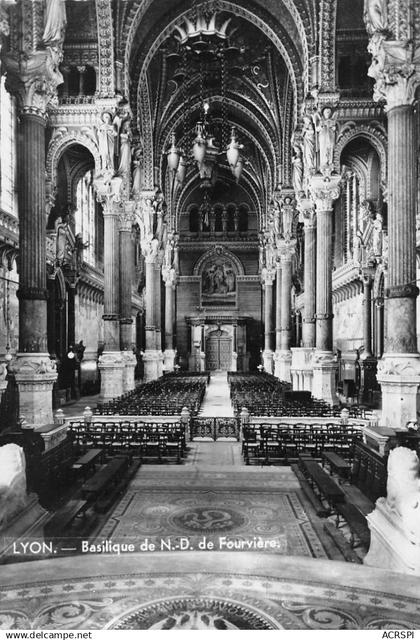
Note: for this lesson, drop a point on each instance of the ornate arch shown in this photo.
(143, 5)
(373, 133)
(61, 141)
(218, 251)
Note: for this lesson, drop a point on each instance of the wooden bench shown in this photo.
(108, 475)
(64, 517)
(337, 464)
(356, 522)
(325, 485)
(88, 461)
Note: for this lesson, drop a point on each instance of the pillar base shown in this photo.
(301, 369)
(169, 356)
(399, 377)
(324, 372)
(282, 363)
(153, 362)
(130, 363)
(35, 375)
(267, 360)
(390, 548)
(111, 366)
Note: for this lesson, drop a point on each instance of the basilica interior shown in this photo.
(209, 366)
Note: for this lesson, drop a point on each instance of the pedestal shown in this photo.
(390, 547)
(282, 363)
(129, 363)
(26, 526)
(153, 362)
(324, 374)
(35, 375)
(399, 377)
(301, 369)
(267, 358)
(169, 356)
(111, 366)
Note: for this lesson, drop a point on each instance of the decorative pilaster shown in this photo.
(394, 46)
(152, 357)
(267, 280)
(302, 367)
(283, 356)
(169, 277)
(33, 77)
(367, 361)
(126, 219)
(324, 191)
(110, 362)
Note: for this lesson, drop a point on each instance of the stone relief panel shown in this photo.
(347, 325)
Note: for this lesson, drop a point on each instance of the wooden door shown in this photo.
(219, 351)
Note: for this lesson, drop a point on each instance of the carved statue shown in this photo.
(79, 247)
(106, 142)
(137, 172)
(309, 153)
(375, 16)
(326, 128)
(54, 22)
(403, 490)
(377, 235)
(358, 247)
(12, 481)
(125, 149)
(61, 240)
(297, 169)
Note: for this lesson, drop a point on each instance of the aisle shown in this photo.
(217, 398)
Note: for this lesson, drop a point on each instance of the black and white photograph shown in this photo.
(209, 317)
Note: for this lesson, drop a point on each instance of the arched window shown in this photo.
(89, 220)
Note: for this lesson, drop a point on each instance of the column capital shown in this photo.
(267, 276)
(127, 216)
(169, 276)
(396, 70)
(107, 189)
(33, 79)
(324, 190)
(306, 208)
(286, 250)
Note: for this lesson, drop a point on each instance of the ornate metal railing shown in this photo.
(215, 428)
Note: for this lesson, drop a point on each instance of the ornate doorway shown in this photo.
(219, 351)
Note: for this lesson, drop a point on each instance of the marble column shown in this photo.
(302, 366)
(110, 362)
(324, 191)
(367, 360)
(31, 80)
(283, 356)
(278, 317)
(268, 279)
(126, 220)
(169, 354)
(152, 357)
(399, 368)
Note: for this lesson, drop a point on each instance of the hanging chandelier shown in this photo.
(203, 37)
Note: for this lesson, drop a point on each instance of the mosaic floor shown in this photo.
(204, 591)
(223, 518)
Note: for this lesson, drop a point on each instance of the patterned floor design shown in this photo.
(204, 591)
(231, 508)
